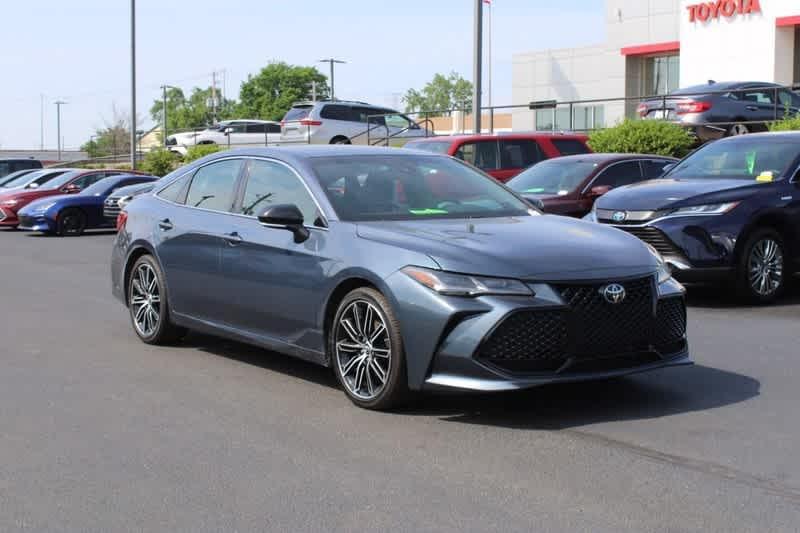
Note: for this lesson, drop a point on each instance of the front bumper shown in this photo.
(8, 217)
(37, 222)
(561, 334)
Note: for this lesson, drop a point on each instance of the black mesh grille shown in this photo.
(655, 238)
(591, 334)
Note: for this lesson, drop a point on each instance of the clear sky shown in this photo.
(78, 50)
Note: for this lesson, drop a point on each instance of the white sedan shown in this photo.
(233, 132)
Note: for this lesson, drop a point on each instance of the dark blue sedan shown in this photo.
(72, 214)
(401, 270)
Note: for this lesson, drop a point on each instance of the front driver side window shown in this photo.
(213, 185)
(271, 183)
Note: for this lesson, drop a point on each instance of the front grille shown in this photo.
(590, 334)
(2, 215)
(111, 207)
(26, 221)
(655, 238)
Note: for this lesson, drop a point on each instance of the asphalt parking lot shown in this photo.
(99, 432)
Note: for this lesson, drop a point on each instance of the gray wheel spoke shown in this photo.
(380, 352)
(379, 372)
(352, 364)
(378, 331)
(366, 328)
(349, 346)
(350, 330)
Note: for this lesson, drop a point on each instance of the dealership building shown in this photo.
(654, 47)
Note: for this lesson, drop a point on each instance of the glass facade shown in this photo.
(585, 118)
(661, 74)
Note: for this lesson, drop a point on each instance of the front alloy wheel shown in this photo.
(147, 302)
(761, 276)
(367, 350)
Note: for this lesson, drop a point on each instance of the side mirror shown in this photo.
(71, 188)
(286, 216)
(600, 190)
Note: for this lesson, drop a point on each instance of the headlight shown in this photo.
(125, 200)
(709, 209)
(9, 203)
(462, 285)
(664, 271)
(43, 208)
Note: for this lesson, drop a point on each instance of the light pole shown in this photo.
(477, 72)
(164, 112)
(58, 104)
(133, 85)
(332, 62)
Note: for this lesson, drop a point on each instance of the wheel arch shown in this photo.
(136, 251)
(340, 138)
(771, 220)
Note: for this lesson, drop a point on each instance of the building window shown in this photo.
(585, 118)
(661, 74)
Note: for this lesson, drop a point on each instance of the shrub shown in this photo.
(200, 150)
(787, 124)
(643, 137)
(159, 162)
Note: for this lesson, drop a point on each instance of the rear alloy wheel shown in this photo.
(367, 351)
(147, 302)
(738, 129)
(762, 267)
(71, 222)
(340, 140)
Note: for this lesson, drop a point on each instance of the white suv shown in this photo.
(341, 122)
(233, 132)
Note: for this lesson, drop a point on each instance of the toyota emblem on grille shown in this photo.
(614, 293)
(619, 216)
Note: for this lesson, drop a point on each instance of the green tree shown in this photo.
(111, 139)
(192, 112)
(270, 94)
(442, 93)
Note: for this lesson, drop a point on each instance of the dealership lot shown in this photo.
(100, 432)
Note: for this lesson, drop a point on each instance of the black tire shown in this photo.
(738, 129)
(394, 390)
(340, 140)
(748, 279)
(164, 331)
(71, 223)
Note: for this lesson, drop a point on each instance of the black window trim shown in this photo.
(637, 160)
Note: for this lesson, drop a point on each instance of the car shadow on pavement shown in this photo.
(553, 407)
(88, 233)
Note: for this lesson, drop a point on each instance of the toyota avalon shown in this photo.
(402, 270)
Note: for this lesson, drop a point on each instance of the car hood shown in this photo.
(653, 195)
(546, 248)
(23, 195)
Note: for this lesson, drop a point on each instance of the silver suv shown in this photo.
(340, 122)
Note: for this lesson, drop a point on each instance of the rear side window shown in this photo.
(570, 146)
(273, 128)
(256, 128)
(338, 112)
(213, 185)
(654, 168)
(481, 154)
(520, 153)
(297, 113)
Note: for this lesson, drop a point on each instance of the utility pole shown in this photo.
(164, 113)
(332, 62)
(58, 104)
(133, 85)
(214, 96)
(477, 72)
(313, 91)
(41, 123)
(489, 52)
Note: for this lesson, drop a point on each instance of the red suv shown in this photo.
(68, 183)
(504, 155)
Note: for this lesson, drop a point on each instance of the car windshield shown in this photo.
(557, 176)
(764, 159)
(435, 147)
(25, 179)
(55, 183)
(403, 187)
(13, 176)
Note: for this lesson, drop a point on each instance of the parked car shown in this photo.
(69, 182)
(119, 198)
(72, 214)
(233, 132)
(402, 270)
(730, 212)
(340, 122)
(570, 185)
(8, 178)
(504, 155)
(9, 165)
(720, 109)
(33, 180)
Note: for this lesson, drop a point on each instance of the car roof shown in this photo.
(723, 86)
(608, 157)
(299, 154)
(310, 103)
(744, 139)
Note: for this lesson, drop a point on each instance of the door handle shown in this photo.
(752, 108)
(233, 238)
(165, 225)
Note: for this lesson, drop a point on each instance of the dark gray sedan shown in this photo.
(401, 270)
